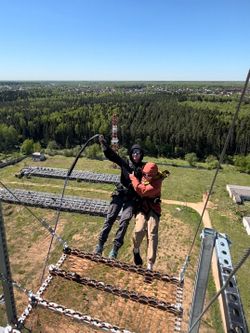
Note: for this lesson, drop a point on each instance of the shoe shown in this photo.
(150, 266)
(98, 250)
(113, 254)
(137, 258)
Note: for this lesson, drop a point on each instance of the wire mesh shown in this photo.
(67, 306)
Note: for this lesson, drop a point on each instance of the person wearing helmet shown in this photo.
(148, 211)
(122, 198)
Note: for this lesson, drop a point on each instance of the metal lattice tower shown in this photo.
(6, 274)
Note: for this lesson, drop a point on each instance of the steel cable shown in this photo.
(243, 259)
(217, 169)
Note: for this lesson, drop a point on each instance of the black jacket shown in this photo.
(127, 167)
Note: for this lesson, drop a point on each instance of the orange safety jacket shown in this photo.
(150, 194)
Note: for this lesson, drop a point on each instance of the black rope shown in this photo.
(60, 206)
(80, 152)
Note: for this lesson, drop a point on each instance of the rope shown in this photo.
(219, 163)
(59, 210)
(243, 259)
(52, 238)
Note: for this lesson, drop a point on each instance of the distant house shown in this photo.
(37, 157)
(246, 223)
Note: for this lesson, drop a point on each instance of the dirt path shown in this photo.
(207, 224)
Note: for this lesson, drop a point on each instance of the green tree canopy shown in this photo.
(27, 147)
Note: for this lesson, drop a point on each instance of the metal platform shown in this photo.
(75, 175)
(53, 201)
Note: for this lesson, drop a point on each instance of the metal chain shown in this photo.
(85, 319)
(124, 266)
(136, 297)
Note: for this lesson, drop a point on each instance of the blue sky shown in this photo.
(149, 40)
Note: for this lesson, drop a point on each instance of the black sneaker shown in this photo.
(137, 259)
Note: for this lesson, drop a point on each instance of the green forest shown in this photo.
(166, 124)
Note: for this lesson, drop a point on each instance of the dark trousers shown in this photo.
(116, 205)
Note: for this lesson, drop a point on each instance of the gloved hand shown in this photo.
(138, 173)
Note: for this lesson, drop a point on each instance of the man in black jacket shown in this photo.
(122, 198)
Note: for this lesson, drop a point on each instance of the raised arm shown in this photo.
(111, 154)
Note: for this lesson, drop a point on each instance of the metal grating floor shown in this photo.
(93, 177)
(53, 201)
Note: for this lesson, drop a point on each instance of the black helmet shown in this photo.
(136, 147)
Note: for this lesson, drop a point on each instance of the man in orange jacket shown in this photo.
(148, 211)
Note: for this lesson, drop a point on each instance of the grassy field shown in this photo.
(25, 236)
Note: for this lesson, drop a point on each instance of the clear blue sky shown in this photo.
(139, 40)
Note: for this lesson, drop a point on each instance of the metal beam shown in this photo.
(208, 240)
(6, 275)
(234, 313)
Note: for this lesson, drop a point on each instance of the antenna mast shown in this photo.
(114, 140)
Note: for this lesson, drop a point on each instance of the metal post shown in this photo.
(206, 251)
(6, 274)
(234, 313)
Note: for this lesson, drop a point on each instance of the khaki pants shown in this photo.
(147, 225)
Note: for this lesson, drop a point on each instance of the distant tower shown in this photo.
(114, 140)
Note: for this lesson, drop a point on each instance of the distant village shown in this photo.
(203, 88)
